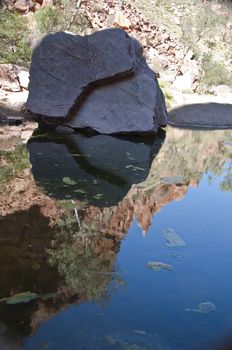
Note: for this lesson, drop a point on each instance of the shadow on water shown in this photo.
(61, 263)
(202, 116)
(24, 267)
(98, 169)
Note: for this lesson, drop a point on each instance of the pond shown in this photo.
(116, 243)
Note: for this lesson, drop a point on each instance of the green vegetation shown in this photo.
(14, 163)
(200, 29)
(215, 73)
(165, 86)
(62, 17)
(14, 46)
(48, 19)
(17, 32)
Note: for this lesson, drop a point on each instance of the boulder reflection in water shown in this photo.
(99, 169)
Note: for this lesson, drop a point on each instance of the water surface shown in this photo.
(79, 228)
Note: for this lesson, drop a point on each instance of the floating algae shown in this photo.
(68, 181)
(173, 239)
(24, 297)
(204, 308)
(158, 266)
(111, 340)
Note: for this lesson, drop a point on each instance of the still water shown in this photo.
(86, 218)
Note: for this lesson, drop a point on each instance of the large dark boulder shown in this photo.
(129, 105)
(100, 81)
(64, 65)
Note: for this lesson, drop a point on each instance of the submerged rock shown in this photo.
(24, 297)
(100, 81)
(123, 345)
(64, 65)
(158, 266)
(139, 332)
(173, 239)
(69, 181)
(204, 308)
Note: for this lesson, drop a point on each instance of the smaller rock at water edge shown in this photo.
(227, 143)
(206, 115)
(173, 239)
(158, 266)
(204, 308)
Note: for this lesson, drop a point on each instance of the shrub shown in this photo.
(215, 73)
(14, 47)
(48, 19)
(16, 161)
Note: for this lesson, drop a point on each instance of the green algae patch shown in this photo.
(173, 239)
(24, 297)
(69, 181)
(158, 266)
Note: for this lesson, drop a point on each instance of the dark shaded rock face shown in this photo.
(99, 169)
(64, 65)
(134, 104)
(100, 81)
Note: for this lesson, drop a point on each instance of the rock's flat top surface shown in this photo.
(205, 116)
(64, 65)
(130, 105)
